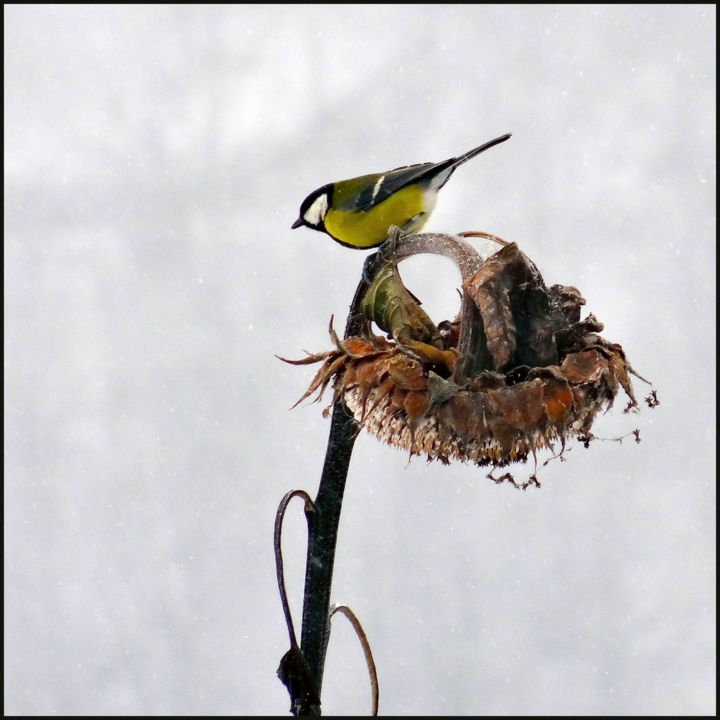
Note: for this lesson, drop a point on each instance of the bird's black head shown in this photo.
(314, 208)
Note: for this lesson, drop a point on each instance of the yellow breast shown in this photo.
(368, 229)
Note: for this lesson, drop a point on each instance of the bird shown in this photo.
(358, 212)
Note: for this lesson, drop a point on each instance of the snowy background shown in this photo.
(155, 157)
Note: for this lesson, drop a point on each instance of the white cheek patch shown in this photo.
(317, 211)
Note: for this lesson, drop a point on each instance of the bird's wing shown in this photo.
(394, 180)
(382, 185)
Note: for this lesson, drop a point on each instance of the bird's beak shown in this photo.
(297, 223)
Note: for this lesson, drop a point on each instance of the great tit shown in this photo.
(359, 212)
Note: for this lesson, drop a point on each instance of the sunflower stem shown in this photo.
(321, 545)
(323, 523)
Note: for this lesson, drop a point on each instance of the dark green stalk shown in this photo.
(321, 545)
(323, 522)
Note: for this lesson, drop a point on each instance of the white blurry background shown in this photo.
(155, 157)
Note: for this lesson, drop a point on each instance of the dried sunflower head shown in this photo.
(516, 371)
